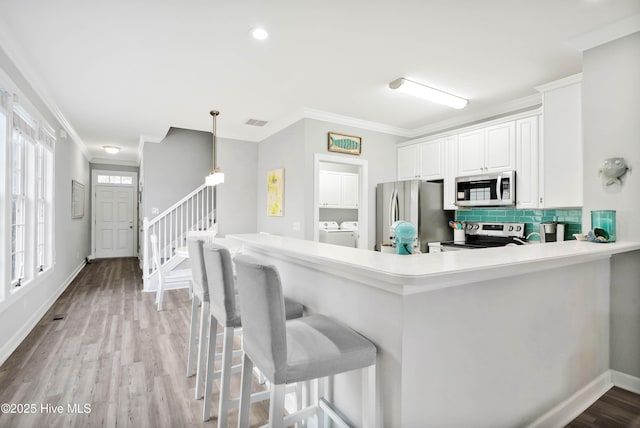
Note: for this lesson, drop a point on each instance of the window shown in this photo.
(26, 154)
(115, 179)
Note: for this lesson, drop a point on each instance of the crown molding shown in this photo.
(115, 161)
(355, 122)
(607, 33)
(11, 49)
(528, 102)
(560, 83)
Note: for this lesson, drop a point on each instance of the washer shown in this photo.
(331, 233)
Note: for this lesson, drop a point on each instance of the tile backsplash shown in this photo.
(572, 218)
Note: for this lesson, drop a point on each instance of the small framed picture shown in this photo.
(342, 143)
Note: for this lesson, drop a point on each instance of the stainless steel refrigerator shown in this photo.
(418, 202)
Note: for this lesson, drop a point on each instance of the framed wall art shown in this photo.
(342, 143)
(77, 199)
(275, 193)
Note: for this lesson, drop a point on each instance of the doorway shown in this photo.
(354, 205)
(114, 214)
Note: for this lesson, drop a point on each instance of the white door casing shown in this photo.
(114, 217)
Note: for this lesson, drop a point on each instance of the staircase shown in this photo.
(194, 212)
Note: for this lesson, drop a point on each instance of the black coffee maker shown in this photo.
(551, 231)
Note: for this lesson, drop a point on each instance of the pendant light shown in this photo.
(215, 177)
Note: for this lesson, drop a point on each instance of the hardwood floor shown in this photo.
(615, 409)
(112, 351)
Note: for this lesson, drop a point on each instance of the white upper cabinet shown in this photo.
(350, 190)
(407, 162)
(425, 161)
(329, 189)
(471, 152)
(500, 153)
(338, 189)
(561, 144)
(527, 163)
(490, 149)
(431, 160)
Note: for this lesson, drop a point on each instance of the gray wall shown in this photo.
(237, 196)
(284, 149)
(174, 168)
(377, 148)
(72, 237)
(611, 108)
(179, 164)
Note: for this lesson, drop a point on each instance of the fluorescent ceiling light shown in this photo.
(428, 93)
(112, 150)
(259, 33)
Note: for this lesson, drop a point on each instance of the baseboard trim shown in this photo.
(625, 381)
(15, 341)
(570, 408)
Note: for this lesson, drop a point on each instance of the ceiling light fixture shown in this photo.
(259, 33)
(428, 93)
(215, 177)
(112, 150)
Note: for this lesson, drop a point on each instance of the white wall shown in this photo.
(611, 112)
(22, 310)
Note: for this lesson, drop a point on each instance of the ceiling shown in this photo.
(121, 69)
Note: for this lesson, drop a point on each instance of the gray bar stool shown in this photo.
(224, 310)
(312, 347)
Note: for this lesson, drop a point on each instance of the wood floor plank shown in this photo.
(617, 408)
(114, 351)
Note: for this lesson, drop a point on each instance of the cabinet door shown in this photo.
(471, 152)
(407, 162)
(500, 147)
(450, 147)
(349, 190)
(561, 154)
(431, 160)
(527, 162)
(329, 189)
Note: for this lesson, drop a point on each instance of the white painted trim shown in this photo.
(456, 131)
(573, 406)
(355, 122)
(11, 48)
(363, 194)
(94, 183)
(560, 83)
(625, 381)
(12, 344)
(607, 34)
(530, 101)
(115, 161)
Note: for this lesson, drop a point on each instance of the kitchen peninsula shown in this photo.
(485, 338)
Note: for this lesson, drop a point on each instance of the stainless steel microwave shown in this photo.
(487, 190)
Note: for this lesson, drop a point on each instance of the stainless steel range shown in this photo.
(487, 235)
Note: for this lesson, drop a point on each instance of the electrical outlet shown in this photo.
(155, 210)
(296, 226)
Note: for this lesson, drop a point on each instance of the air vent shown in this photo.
(256, 122)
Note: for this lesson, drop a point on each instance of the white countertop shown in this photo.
(424, 272)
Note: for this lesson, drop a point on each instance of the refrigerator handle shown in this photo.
(395, 208)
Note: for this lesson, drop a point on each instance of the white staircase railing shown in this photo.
(193, 212)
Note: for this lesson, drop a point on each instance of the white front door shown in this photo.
(114, 214)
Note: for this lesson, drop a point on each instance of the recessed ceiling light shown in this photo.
(259, 33)
(112, 150)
